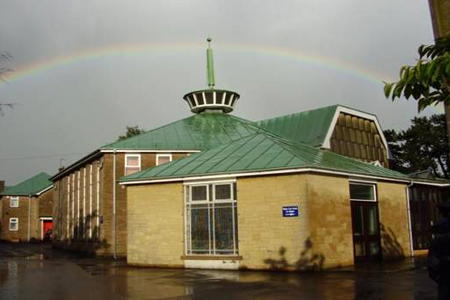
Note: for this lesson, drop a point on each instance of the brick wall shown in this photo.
(46, 203)
(73, 197)
(21, 213)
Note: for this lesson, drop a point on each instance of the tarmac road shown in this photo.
(29, 271)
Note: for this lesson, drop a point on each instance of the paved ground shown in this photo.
(38, 272)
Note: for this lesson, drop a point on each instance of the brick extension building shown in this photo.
(26, 209)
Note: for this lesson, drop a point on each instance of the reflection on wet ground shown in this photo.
(38, 272)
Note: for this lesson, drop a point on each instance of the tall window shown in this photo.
(163, 159)
(14, 202)
(211, 219)
(13, 224)
(132, 163)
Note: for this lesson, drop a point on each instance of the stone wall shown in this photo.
(394, 224)
(330, 219)
(155, 225)
(267, 240)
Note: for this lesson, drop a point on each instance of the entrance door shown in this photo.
(366, 231)
(47, 226)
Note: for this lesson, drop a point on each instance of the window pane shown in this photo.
(359, 249)
(223, 191)
(198, 193)
(358, 225)
(163, 160)
(199, 230)
(131, 170)
(132, 161)
(372, 222)
(361, 192)
(223, 227)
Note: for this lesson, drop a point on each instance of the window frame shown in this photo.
(16, 222)
(163, 155)
(126, 163)
(210, 201)
(14, 198)
(374, 188)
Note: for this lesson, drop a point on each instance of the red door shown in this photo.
(47, 228)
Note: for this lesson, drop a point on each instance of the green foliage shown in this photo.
(421, 147)
(428, 81)
(131, 131)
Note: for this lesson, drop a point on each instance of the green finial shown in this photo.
(210, 65)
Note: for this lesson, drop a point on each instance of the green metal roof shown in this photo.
(260, 152)
(309, 127)
(29, 187)
(198, 132)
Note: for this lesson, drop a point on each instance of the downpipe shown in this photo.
(114, 205)
(408, 211)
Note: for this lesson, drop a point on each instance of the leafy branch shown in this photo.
(427, 81)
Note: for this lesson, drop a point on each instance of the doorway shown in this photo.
(366, 231)
(365, 222)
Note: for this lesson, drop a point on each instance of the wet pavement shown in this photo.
(39, 272)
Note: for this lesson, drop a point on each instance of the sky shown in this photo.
(84, 70)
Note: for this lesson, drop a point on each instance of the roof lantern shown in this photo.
(211, 99)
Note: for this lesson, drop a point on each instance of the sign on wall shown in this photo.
(290, 211)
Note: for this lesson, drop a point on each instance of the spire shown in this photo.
(210, 65)
(211, 100)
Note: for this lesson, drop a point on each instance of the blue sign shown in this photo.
(290, 211)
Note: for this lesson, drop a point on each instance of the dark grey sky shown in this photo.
(84, 70)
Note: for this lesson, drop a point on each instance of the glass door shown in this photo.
(366, 231)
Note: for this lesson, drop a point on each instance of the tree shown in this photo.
(421, 147)
(131, 131)
(428, 81)
(3, 72)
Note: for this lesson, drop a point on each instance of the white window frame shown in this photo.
(210, 201)
(374, 187)
(14, 199)
(126, 161)
(163, 155)
(17, 224)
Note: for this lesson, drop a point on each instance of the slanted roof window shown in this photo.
(132, 163)
(163, 159)
(14, 202)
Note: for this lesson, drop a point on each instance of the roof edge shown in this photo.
(305, 169)
(76, 164)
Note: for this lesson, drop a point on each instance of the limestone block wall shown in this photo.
(156, 225)
(330, 219)
(394, 226)
(267, 240)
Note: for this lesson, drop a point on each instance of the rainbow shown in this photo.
(160, 48)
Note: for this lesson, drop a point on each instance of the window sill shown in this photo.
(211, 257)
